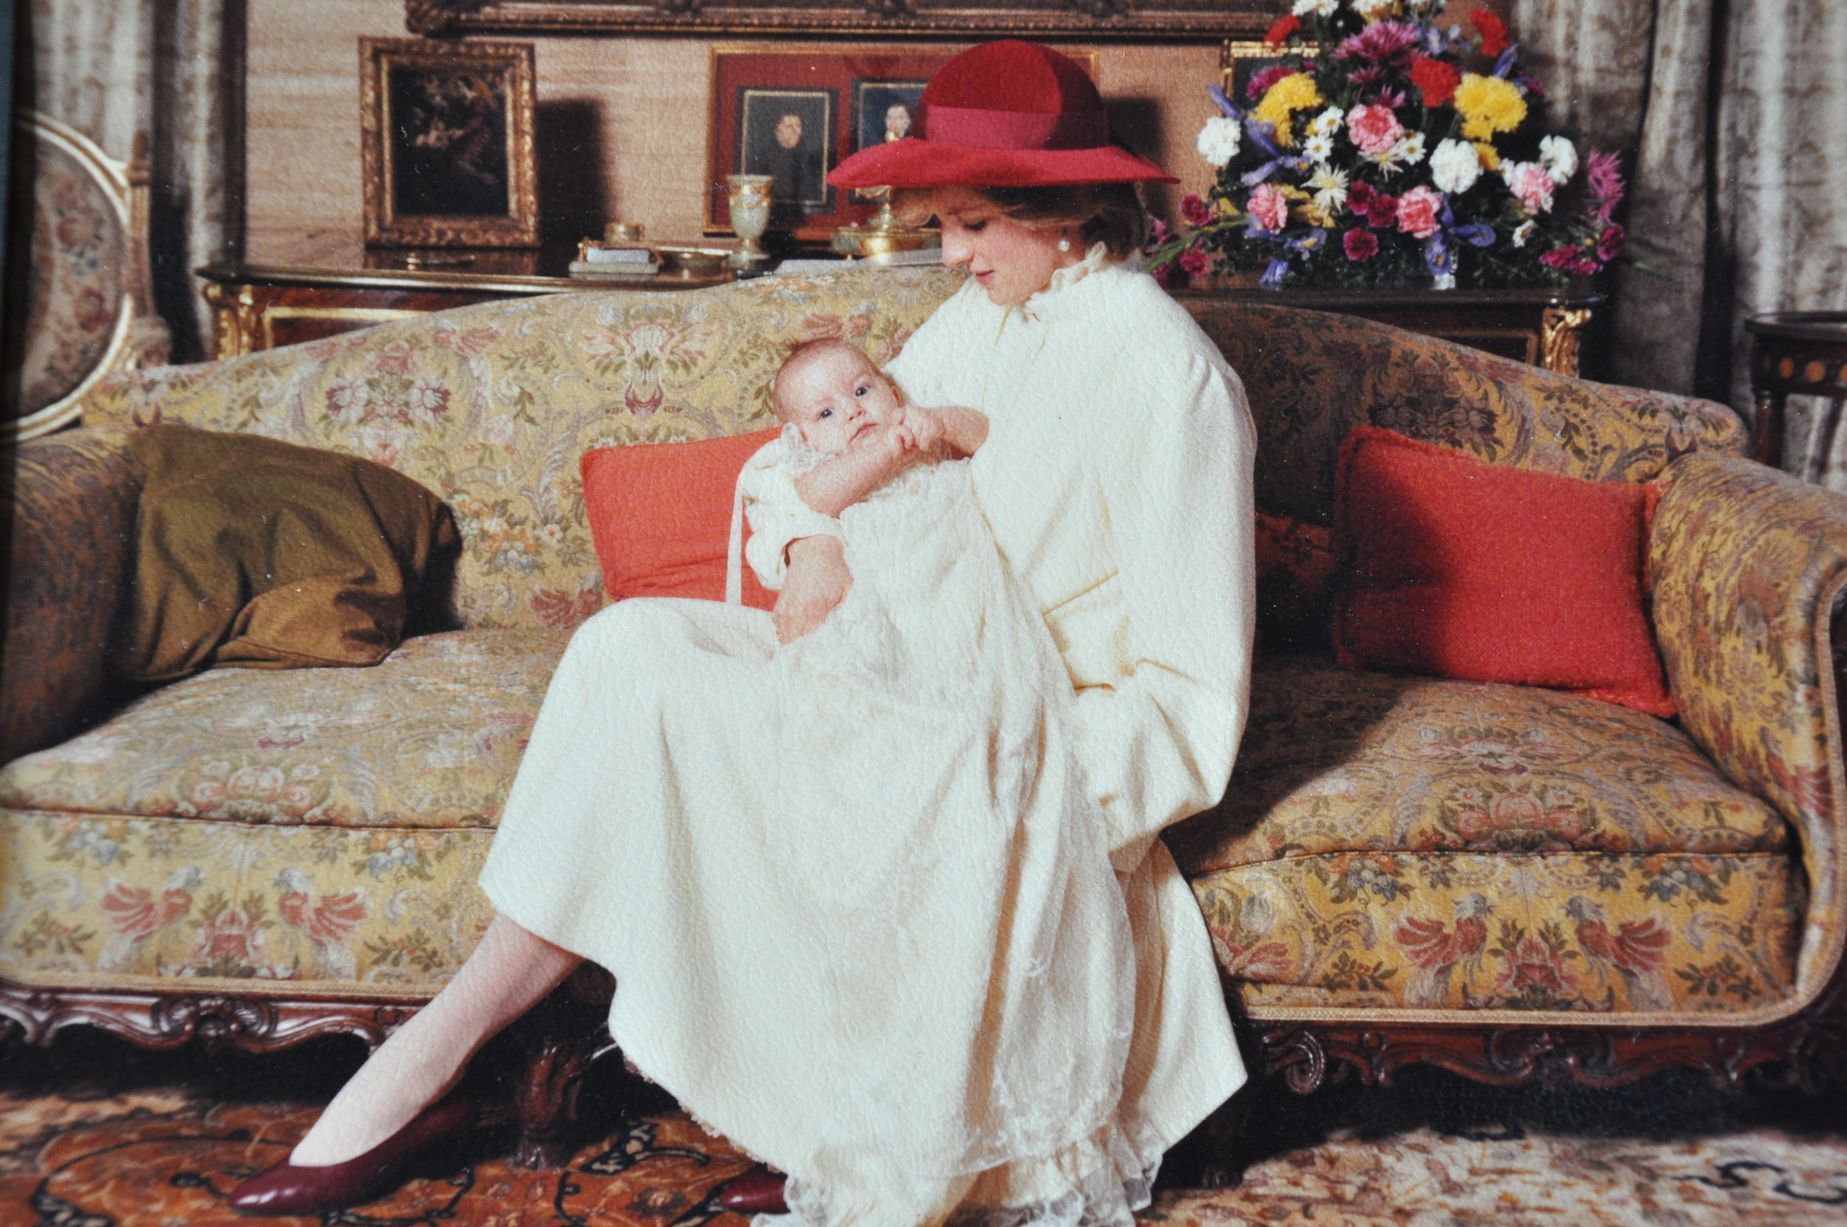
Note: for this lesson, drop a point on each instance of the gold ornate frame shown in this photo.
(384, 225)
(1088, 20)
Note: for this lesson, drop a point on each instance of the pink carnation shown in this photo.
(1194, 262)
(1373, 128)
(1193, 210)
(1417, 212)
(1530, 184)
(1270, 207)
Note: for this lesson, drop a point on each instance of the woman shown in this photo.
(1116, 478)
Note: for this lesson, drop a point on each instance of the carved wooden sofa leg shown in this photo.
(554, 1048)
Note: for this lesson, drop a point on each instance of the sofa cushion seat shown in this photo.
(428, 738)
(247, 826)
(1411, 843)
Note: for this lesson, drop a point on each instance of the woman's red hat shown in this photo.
(1004, 114)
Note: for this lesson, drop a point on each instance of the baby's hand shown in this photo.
(927, 429)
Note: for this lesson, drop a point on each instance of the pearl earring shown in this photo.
(1064, 243)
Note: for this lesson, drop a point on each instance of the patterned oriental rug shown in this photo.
(105, 1136)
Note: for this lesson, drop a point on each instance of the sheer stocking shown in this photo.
(506, 975)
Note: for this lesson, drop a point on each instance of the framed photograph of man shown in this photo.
(884, 111)
(793, 112)
(446, 140)
(788, 134)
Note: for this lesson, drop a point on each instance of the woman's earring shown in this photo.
(1064, 242)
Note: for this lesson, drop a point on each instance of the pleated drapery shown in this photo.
(1732, 114)
(173, 70)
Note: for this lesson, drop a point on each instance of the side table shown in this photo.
(1544, 327)
(1803, 353)
(308, 286)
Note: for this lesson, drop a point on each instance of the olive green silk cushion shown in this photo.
(251, 551)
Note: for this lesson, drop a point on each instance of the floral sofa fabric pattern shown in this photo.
(1392, 851)
(1423, 845)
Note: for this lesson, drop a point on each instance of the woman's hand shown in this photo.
(816, 580)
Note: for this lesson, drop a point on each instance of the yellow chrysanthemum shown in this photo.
(1488, 105)
(1487, 155)
(1288, 95)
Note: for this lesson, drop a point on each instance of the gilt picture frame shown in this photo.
(447, 148)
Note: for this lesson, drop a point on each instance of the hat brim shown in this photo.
(916, 162)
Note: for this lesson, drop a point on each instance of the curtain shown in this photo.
(1731, 114)
(172, 69)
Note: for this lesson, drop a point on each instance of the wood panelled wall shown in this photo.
(621, 121)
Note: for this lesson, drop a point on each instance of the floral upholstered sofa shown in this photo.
(1500, 879)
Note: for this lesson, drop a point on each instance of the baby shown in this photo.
(855, 421)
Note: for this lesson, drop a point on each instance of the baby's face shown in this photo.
(835, 397)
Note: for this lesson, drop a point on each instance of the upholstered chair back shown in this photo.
(84, 272)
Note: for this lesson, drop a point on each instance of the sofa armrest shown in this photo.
(70, 521)
(1749, 568)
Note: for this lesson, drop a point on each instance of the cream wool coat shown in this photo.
(1117, 480)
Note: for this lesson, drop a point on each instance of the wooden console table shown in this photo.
(1544, 327)
(304, 287)
(309, 286)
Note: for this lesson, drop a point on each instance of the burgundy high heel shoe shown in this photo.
(757, 1191)
(288, 1189)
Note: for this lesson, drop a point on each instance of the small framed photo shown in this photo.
(793, 112)
(788, 134)
(1240, 60)
(446, 140)
(884, 111)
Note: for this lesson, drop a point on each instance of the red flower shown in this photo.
(1609, 243)
(1194, 262)
(1361, 245)
(1435, 79)
(1493, 32)
(1193, 210)
(1359, 198)
(1284, 27)
(1381, 211)
(1261, 83)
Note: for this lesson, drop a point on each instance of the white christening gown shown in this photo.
(856, 892)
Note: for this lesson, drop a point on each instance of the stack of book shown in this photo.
(614, 262)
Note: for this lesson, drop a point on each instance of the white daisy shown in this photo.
(1330, 189)
(1318, 8)
(1318, 148)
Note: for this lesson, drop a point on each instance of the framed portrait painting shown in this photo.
(793, 112)
(446, 139)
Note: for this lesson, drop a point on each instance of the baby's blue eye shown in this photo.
(862, 389)
(825, 413)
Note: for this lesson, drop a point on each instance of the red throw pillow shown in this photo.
(1459, 568)
(660, 516)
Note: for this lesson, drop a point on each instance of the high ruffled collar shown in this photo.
(1056, 297)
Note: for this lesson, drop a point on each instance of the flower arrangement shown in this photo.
(1383, 150)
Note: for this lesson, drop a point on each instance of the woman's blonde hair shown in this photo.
(1107, 213)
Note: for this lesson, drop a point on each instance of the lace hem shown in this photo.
(1098, 1181)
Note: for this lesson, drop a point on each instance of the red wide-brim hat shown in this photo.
(1004, 114)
